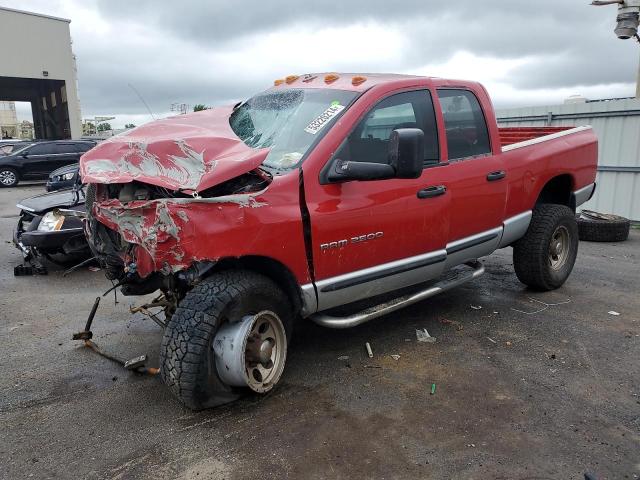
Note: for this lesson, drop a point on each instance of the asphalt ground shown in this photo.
(523, 389)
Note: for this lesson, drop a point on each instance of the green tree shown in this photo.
(199, 107)
(130, 125)
(102, 127)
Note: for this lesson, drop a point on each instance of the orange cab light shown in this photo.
(357, 80)
(291, 78)
(332, 77)
(278, 82)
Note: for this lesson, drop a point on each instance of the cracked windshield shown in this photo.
(287, 121)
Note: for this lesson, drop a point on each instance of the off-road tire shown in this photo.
(187, 361)
(11, 171)
(598, 227)
(531, 254)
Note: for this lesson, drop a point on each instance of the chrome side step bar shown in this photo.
(401, 302)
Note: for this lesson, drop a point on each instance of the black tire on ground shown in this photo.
(599, 227)
(537, 261)
(187, 361)
(8, 177)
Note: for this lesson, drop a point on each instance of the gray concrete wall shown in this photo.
(42, 43)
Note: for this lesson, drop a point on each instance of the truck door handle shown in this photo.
(433, 191)
(497, 175)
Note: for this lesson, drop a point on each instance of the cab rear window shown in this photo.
(466, 127)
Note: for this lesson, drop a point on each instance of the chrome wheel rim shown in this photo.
(251, 352)
(7, 177)
(559, 248)
(265, 352)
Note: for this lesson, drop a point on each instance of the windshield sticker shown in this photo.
(316, 125)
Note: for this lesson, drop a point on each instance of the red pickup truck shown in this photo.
(331, 197)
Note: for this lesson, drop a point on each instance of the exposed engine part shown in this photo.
(79, 265)
(135, 364)
(87, 334)
(162, 302)
(133, 191)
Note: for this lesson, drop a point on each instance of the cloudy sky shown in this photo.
(526, 52)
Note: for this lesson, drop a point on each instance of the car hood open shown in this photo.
(187, 152)
(66, 198)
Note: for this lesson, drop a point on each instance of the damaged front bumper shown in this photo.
(34, 243)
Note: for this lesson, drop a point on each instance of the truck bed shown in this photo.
(513, 135)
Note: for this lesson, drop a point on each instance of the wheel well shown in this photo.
(558, 190)
(268, 267)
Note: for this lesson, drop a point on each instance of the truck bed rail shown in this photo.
(559, 132)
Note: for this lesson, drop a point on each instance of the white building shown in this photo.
(40, 69)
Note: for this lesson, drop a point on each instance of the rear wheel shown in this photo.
(227, 337)
(543, 259)
(8, 177)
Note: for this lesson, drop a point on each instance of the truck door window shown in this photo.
(369, 142)
(466, 127)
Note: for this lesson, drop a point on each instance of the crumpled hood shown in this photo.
(46, 201)
(187, 152)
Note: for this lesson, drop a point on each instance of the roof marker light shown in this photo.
(291, 78)
(332, 77)
(358, 80)
(278, 82)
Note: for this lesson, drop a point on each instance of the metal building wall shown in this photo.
(617, 124)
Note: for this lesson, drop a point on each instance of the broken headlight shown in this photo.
(51, 221)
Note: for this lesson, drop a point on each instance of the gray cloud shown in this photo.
(192, 51)
(221, 21)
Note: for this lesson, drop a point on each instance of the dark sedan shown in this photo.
(51, 224)
(63, 177)
(38, 160)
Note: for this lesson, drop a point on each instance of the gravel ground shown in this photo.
(523, 390)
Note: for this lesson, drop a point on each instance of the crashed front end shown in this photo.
(151, 192)
(145, 236)
(50, 224)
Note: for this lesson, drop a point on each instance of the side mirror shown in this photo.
(343, 171)
(406, 152)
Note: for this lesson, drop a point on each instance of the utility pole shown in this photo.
(638, 80)
(627, 27)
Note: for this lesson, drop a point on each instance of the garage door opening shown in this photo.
(48, 100)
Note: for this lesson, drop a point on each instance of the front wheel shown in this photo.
(543, 259)
(227, 337)
(8, 177)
